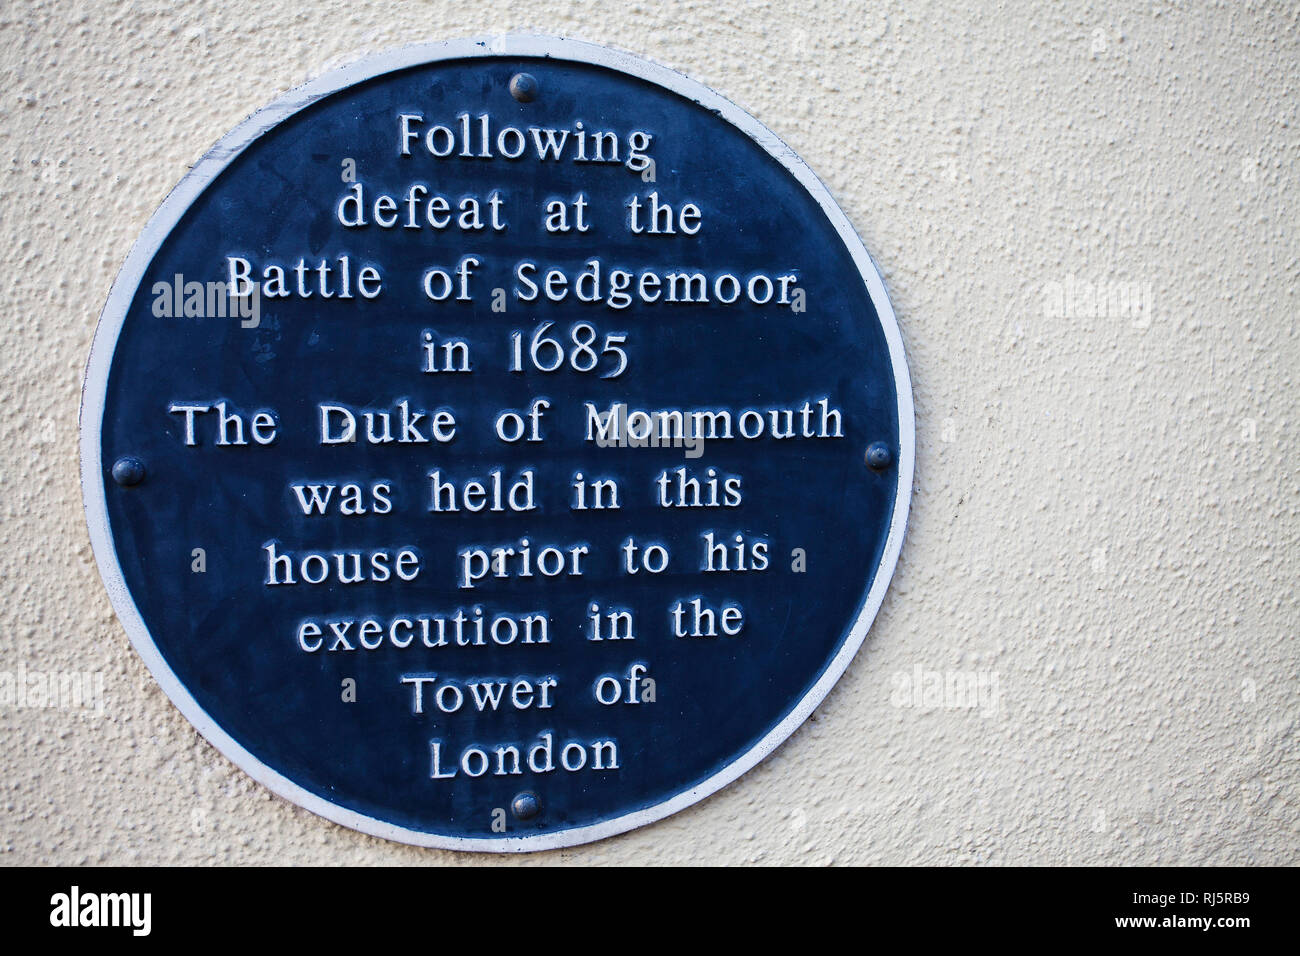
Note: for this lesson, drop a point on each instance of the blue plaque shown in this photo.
(497, 445)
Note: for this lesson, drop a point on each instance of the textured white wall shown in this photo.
(1105, 517)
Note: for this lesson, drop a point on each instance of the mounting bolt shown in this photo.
(523, 87)
(128, 471)
(879, 457)
(526, 805)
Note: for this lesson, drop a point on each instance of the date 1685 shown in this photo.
(546, 352)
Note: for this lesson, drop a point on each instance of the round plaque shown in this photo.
(497, 445)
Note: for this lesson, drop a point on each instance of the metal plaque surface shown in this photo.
(498, 445)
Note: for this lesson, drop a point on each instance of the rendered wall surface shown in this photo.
(1086, 215)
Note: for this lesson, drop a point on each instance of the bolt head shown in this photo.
(128, 471)
(879, 457)
(524, 87)
(526, 805)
